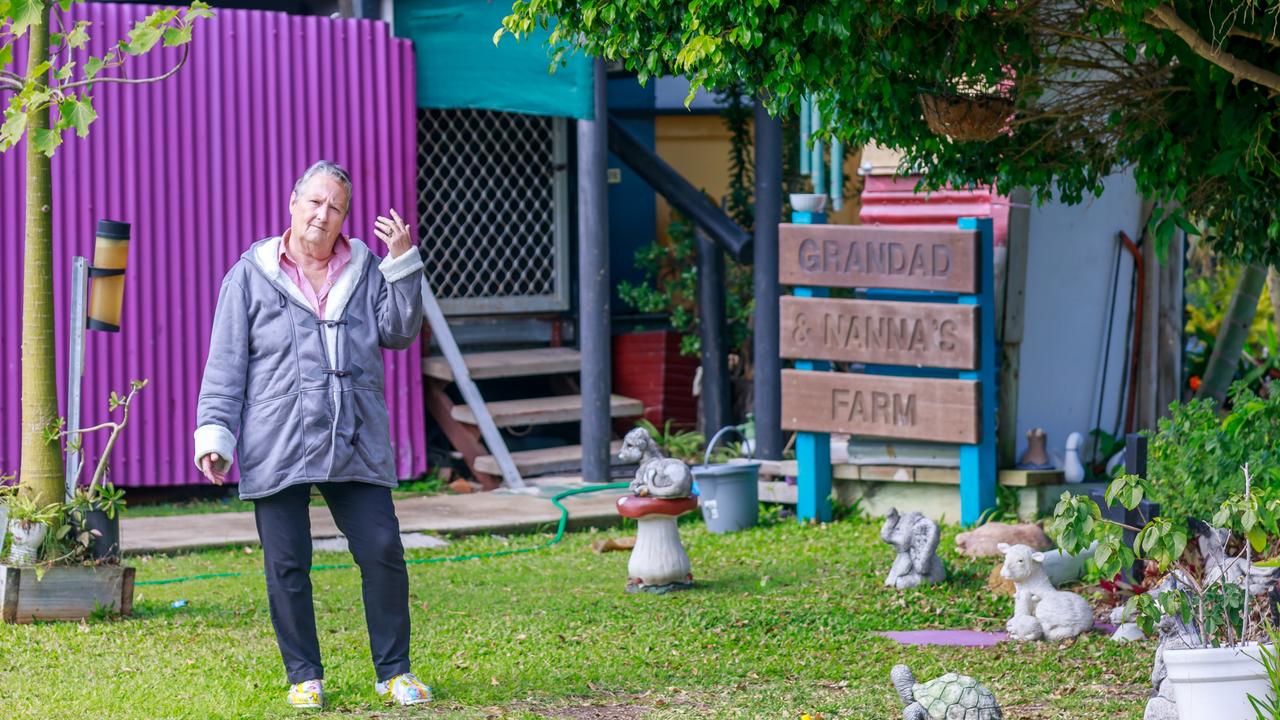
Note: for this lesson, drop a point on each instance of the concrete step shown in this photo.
(545, 410)
(508, 364)
(566, 458)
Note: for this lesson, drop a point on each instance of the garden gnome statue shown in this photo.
(1041, 611)
(659, 495)
(950, 697)
(915, 537)
(1072, 468)
(1035, 458)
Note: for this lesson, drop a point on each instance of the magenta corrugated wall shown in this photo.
(202, 165)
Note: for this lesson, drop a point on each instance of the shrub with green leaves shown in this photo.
(1212, 606)
(1194, 458)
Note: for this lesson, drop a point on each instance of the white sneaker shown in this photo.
(308, 694)
(404, 689)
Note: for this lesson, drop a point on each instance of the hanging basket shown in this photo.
(967, 118)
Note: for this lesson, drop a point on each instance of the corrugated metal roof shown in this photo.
(202, 165)
(888, 200)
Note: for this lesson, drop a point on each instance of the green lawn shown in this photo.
(780, 625)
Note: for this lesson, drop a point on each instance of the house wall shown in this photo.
(1071, 258)
(631, 200)
(202, 165)
(697, 145)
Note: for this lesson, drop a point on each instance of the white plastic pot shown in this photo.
(25, 548)
(1215, 683)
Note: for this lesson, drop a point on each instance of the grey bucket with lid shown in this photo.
(728, 493)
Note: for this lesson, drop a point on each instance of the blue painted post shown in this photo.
(813, 450)
(978, 462)
(804, 135)
(816, 163)
(837, 175)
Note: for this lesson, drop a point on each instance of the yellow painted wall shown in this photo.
(697, 146)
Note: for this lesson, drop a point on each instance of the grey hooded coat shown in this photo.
(301, 397)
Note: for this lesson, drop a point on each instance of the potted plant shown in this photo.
(29, 525)
(93, 521)
(1214, 598)
(94, 511)
(7, 492)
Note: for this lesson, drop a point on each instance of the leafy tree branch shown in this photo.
(1166, 18)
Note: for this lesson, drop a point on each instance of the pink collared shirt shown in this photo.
(338, 260)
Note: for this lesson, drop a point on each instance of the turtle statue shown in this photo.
(950, 697)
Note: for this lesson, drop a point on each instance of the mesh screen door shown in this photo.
(493, 210)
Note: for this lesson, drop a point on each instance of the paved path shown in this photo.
(499, 511)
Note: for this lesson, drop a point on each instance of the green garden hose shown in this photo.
(564, 521)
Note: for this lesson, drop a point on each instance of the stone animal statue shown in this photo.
(1126, 629)
(1174, 635)
(1059, 614)
(1220, 565)
(915, 537)
(658, 476)
(950, 697)
(1072, 468)
(984, 540)
(1024, 628)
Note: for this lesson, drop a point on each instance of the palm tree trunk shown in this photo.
(40, 472)
(1273, 287)
(1232, 333)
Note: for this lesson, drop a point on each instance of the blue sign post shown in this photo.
(978, 471)
(813, 450)
(839, 264)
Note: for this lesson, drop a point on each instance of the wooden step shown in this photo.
(508, 364)
(566, 458)
(545, 410)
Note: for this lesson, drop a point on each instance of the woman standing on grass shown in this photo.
(294, 383)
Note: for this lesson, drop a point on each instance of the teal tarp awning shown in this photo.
(460, 67)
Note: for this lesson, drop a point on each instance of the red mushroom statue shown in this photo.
(658, 562)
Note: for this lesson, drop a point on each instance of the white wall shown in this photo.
(1070, 262)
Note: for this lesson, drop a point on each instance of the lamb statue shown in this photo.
(915, 537)
(658, 476)
(1040, 611)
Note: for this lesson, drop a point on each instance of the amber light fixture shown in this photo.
(106, 296)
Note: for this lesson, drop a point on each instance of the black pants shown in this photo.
(365, 514)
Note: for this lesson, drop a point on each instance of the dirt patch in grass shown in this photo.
(600, 712)
(1134, 694)
(612, 706)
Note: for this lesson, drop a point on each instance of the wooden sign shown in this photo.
(880, 332)
(880, 406)
(867, 256)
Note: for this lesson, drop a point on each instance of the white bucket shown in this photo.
(25, 548)
(1215, 683)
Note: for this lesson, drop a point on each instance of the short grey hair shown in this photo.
(330, 168)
